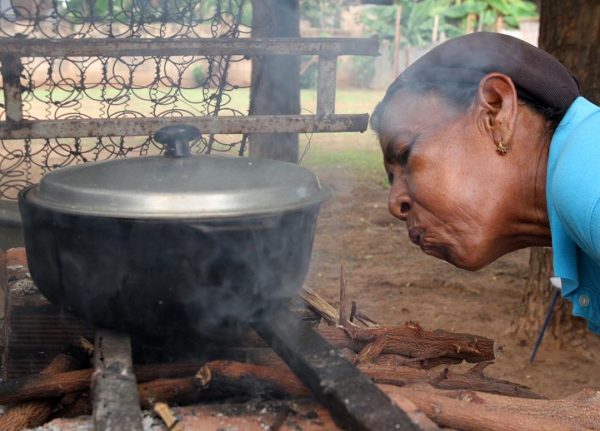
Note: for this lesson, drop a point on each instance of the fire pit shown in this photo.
(239, 380)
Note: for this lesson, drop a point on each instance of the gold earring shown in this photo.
(501, 148)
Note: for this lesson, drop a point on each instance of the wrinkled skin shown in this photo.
(461, 200)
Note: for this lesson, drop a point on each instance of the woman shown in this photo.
(489, 148)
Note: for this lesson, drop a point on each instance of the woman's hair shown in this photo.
(461, 96)
(454, 69)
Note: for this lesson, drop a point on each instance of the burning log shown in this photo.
(249, 379)
(172, 390)
(35, 412)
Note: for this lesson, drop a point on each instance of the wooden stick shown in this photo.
(166, 414)
(478, 411)
(35, 412)
(55, 385)
(403, 340)
(412, 341)
(473, 379)
(281, 378)
(319, 305)
(167, 390)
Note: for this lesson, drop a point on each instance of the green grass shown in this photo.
(357, 151)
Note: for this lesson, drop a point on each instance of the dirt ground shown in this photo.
(393, 282)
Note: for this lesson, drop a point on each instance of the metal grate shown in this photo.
(49, 85)
(86, 80)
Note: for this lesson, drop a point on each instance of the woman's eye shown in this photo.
(402, 157)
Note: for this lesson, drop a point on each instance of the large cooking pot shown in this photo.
(152, 244)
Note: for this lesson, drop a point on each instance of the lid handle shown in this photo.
(176, 139)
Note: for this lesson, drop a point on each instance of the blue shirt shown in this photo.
(573, 198)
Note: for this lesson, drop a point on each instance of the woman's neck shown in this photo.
(529, 224)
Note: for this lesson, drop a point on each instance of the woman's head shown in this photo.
(439, 126)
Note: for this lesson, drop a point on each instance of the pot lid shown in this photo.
(199, 187)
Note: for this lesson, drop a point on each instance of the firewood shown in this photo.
(477, 411)
(423, 364)
(319, 305)
(79, 405)
(413, 341)
(412, 345)
(281, 378)
(35, 412)
(456, 409)
(56, 385)
(474, 379)
(168, 390)
(258, 378)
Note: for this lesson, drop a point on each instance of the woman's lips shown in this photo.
(416, 234)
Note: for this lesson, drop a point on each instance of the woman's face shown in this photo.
(447, 181)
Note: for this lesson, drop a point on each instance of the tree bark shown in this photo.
(571, 34)
(275, 85)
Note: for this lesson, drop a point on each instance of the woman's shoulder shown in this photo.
(574, 180)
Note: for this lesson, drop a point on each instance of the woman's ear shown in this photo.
(496, 105)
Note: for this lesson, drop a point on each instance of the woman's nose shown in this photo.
(399, 201)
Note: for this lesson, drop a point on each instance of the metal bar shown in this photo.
(116, 401)
(353, 400)
(540, 336)
(326, 85)
(79, 128)
(201, 46)
(11, 77)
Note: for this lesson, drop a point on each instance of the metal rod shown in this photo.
(11, 76)
(326, 85)
(354, 401)
(116, 401)
(536, 346)
(200, 46)
(79, 128)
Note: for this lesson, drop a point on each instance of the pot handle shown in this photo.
(176, 139)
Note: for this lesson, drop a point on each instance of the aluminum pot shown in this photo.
(155, 244)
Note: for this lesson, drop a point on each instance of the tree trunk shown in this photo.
(275, 86)
(571, 34)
